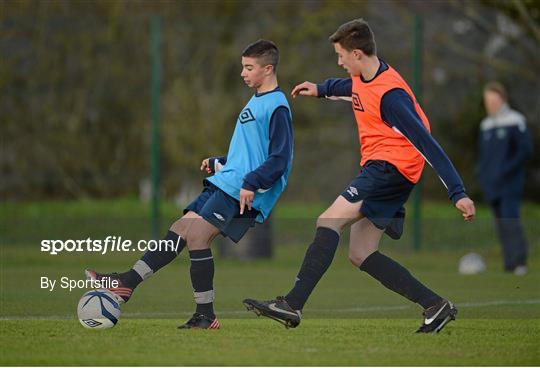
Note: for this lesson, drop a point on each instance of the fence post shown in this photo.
(417, 88)
(155, 58)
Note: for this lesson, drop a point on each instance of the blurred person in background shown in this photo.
(504, 145)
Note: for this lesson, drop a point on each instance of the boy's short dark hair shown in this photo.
(498, 88)
(264, 50)
(355, 34)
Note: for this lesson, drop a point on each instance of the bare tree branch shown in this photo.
(527, 20)
(473, 15)
(480, 58)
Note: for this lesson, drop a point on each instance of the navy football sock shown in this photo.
(131, 278)
(318, 258)
(152, 261)
(202, 278)
(398, 279)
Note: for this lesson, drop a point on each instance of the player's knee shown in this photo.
(195, 242)
(199, 238)
(330, 223)
(177, 227)
(184, 224)
(356, 258)
(197, 245)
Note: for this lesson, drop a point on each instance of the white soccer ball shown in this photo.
(471, 264)
(98, 309)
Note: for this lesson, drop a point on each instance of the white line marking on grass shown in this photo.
(37, 318)
(497, 302)
(374, 308)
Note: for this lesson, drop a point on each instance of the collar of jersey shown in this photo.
(382, 68)
(277, 89)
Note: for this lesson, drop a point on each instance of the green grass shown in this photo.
(259, 342)
(349, 320)
(442, 226)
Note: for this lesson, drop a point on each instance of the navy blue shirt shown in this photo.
(504, 145)
(398, 111)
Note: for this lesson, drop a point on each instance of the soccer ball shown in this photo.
(471, 264)
(98, 309)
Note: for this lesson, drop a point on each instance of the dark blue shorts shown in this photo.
(384, 191)
(222, 211)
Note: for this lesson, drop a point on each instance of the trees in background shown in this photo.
(75, 81)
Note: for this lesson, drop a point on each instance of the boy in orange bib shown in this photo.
(395, 141)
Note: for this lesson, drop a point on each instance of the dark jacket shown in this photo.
(504, 145)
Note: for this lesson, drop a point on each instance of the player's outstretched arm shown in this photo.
(305, 89)
(466, 206)
(333, 88)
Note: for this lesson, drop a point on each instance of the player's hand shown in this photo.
(246, 197)
(305, 89)
(466, 205)
(205, 166)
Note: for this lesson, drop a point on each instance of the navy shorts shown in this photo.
(222, 211)
(384, 191)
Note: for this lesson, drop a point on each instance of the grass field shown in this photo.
(350, 319)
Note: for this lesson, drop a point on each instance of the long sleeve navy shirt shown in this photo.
(504, 145)
(397, 110)
(279, 153)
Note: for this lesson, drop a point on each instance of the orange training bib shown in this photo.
(378, 140)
